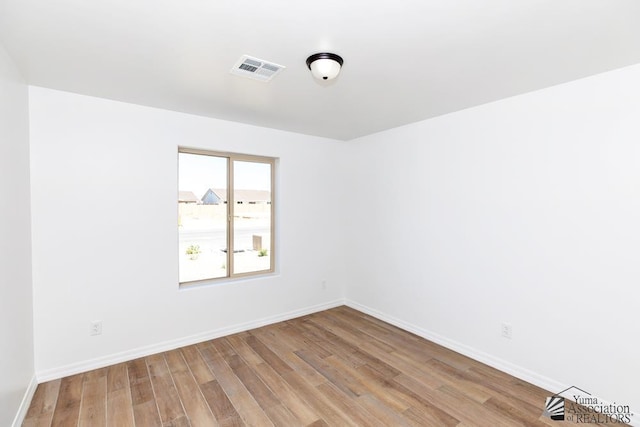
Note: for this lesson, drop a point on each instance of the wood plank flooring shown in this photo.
(334, 368)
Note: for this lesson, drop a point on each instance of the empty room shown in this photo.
(365, 213)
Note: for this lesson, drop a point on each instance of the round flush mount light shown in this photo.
(324, 66)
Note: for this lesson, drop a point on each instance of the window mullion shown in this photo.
(230, 220)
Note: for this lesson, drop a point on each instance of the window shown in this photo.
(225, 215)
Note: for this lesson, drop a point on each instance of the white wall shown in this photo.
(105, 239)
(524, 211)
(16, 317)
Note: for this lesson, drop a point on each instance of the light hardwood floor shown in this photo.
(334, 368)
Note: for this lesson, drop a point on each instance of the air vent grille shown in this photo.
(256, 69)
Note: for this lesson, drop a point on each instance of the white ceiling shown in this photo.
(405, 60)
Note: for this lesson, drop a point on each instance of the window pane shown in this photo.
(252, 216)
(202, 216)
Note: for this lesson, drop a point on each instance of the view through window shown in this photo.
(225, 215)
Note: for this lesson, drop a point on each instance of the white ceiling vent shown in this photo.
(256, 69)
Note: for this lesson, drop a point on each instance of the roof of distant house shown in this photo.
(244, 195)
(187, 197)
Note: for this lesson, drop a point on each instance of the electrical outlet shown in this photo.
(95, 327)
(323, 284)
(506, 330)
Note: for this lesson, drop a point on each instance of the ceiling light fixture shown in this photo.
(324, 66)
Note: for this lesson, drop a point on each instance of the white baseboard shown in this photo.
(501, 365)
(101, 362)
(26, 401)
